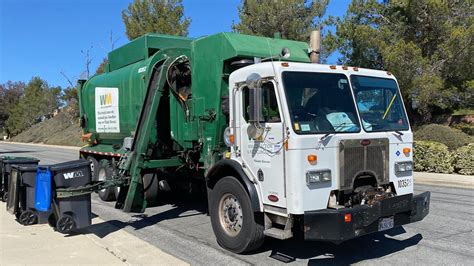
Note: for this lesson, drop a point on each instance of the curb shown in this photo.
(41, 145)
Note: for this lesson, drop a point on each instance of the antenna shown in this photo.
(271, 57)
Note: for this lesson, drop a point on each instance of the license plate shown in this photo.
(386, 223)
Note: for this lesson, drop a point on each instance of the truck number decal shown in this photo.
(404, 183)
(107, 119)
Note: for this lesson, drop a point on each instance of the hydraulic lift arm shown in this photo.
(134, 200)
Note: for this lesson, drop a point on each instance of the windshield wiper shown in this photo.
(325, 136)
(398, 132)
(389, 106)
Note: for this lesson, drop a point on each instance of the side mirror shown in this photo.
(254, 83)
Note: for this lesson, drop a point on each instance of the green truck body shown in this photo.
(130, 71)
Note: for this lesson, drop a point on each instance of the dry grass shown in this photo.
(61, 130)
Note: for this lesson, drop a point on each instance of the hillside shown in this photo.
(62, 129)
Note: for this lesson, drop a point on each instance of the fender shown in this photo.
(228, 167)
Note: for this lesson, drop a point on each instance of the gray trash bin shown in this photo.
(73, 212)
(6, 163)
(21, 201)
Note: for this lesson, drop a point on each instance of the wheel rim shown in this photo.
(102, 176)
(230, 214)
(27, 218)
(65, 224)
(92, 166)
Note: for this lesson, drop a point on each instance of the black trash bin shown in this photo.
(6, 163)
(73, 212)
(21, 200)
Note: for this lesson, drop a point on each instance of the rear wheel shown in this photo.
(151, 187)
(235, 225)
(105, 172)
(94, 167)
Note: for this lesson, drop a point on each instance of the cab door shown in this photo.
(265, 156)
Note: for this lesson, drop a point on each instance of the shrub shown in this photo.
(451, 137)
(464, 160)
(432, 157)
(466, 128)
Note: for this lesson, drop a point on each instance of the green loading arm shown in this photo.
(135, 158)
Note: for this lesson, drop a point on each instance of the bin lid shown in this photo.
(19, 160)
(69, 165)
(26, 167)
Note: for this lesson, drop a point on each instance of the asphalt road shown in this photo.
(182, 228)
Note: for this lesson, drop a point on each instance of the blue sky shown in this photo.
(44, 37)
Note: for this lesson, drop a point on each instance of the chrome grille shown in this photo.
(357, 159)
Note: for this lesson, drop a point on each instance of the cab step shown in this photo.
(278, 233)
(275, 232)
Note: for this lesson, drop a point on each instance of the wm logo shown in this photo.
(72, 175)
(106, 99)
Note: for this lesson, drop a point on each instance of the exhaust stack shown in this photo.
(315, 46)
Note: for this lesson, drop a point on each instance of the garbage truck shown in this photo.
(281, 144)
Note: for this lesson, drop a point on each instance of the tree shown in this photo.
(159, 16)
(10, 93)
(102, 67)
(293, 19)
(38, 99)
(426, 44)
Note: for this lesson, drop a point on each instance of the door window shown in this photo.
(270, 110)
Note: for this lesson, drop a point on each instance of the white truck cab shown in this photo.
(328, 146)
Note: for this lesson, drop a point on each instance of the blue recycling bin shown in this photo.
(43, 192)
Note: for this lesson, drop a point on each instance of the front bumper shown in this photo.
(329, 224)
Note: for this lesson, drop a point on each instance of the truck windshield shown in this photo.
(320, 103)
(379, 103)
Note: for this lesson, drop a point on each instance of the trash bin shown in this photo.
(21, 200)
(5, 167)
(73, 212)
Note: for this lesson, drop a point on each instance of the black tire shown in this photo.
(94, 167)
(28, 218)
(151, 187)
(66, 224)
(105, 173)
(116, 192)
(52, 221)
(250, 236)
(5, 196)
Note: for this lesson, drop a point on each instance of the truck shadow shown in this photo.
(176, 208)
(372, 246)
(367, 247)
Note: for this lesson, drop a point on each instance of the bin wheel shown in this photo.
(5, 197)
(105, 172)
(28, 218)
(52, 220)
(65, 224)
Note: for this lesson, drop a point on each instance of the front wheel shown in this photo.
(235, 225)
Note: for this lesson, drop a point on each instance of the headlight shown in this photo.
(402, 167)
(316, 177)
